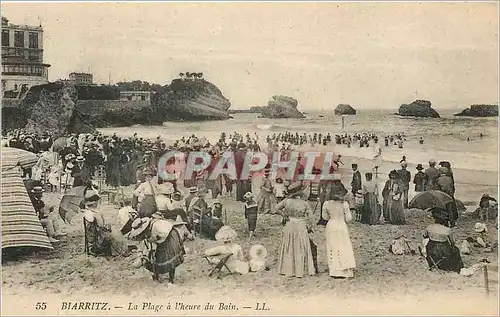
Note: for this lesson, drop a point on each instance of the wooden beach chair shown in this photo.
(217, 268)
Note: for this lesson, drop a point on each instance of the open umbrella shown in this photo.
(71, 202)
(430, 199)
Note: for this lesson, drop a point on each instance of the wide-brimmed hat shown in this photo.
(147, 172)
(248, 195)
(258, 252)
(70, 156)
(91, 196)
(216, 201)
(294, 189)
(37, 190)
(480, 227)
(166, 189)
(193, 190)
(139, 225)
(359, 193)
(226, 234)
(419, 167)
(80, 158)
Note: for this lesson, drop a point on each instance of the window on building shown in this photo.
(143, 98)
(19, 39)
(5, 38)
(33, 40)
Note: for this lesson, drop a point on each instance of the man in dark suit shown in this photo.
(405, 176)
(356, 179)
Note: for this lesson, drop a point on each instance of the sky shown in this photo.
(369, 55)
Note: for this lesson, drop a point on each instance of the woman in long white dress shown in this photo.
(341, 262)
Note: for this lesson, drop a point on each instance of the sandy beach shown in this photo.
(401, 284)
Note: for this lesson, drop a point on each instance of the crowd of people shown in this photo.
(162, 218)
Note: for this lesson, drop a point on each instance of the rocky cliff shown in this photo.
(342, 109)
(418, 108)
(281, 107)
(56, 107)
(191, 100)
(480, 111)
(50, 107)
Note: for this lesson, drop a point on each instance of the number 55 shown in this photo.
(41, 306)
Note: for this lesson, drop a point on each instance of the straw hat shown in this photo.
(480, 227)
(258, 252)
(70, 156)
(139, 226)
(404, 164)
(166, 189)
(37, 190)
(359, 193)
(193, 190)
(217, 201)
(80, 158)
(147, 172)
(226, 234)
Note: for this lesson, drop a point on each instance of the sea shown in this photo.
(454, 139)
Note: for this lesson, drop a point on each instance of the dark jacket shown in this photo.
(405, 176)
(445, 184)
(419, 181)
(356, 182)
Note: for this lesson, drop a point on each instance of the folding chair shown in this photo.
(434, 263)
(221, 264)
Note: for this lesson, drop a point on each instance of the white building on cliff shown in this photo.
(22, 59)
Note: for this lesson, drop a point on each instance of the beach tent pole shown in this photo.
(486, 283)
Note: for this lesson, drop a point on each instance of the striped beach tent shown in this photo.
(20, 224)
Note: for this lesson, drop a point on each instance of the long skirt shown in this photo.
(242, 187)
(267, 202)
(446, 256)
(371, 211)
(147, 206)
(394, 213)
(339, 250)
(168, 255)
(295, 257)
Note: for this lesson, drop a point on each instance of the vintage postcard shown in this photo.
(249, 158)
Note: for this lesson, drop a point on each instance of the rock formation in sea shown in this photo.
(418, 108)
(281, 107)
(479, 111)
(191, 100)
(342, 109)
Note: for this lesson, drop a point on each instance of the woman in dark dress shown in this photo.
(440, 249)
(164, 248)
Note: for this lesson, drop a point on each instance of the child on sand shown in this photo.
(279, 189)
(251, 211)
